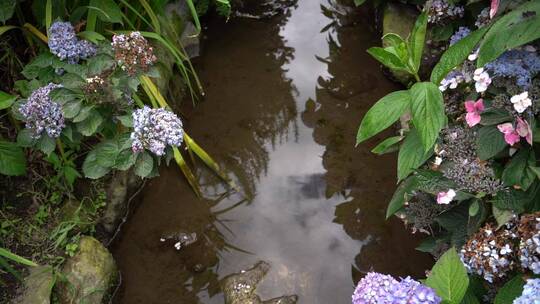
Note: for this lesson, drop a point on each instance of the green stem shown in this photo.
(61, 149)
(417, 77)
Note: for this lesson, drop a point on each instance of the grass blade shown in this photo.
(48, 15)
(36, 32)
(194, 14)
(91, 20)
(16, 258)
(155, 21)
(187, 171)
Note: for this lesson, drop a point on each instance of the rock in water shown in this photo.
(90, 273)
(239, 288)
(37, 286)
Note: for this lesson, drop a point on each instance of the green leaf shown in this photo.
(6, 100)
(518, 27)
(449, 278)
(474, 208)
(72, 108)
(427, 112)
(383, 114)
(107, 152)
(125, 160)
(502, 216)
(456, 54)
(7, 8)
(25, 139)
(388, 145)
(518, 171)
(92, 37)
(91, 168)
(411, 155)
(470, 298)
(512, 199)
(126, 120)
(359, 2)
(12, 159)
(495, 116)
(90, 125)
(490, 142)
(99, 64)
(427, 245)
(416, 40)
(46, 144)
(107, 10)
(511, 290)
(398, 199)
(84, 113)
(16, 258)
(144, 164)
(387, 58)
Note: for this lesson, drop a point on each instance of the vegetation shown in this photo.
(467, 162)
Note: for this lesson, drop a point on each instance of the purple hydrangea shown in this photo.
(441, 11)
(377, 288)
(519, 64)
(529, 245)
(154, 129)
(64, 43)
(42, 114)
(461, 33)
(530, 294)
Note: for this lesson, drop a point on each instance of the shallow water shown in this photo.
(284, 97)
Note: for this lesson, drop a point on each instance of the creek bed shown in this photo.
(284, 97)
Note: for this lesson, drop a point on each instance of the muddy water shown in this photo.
(284, 97)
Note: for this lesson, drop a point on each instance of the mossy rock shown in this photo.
(399, 19)
(37, 286)
(89, 274)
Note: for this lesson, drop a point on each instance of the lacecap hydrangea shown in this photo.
(530, 294)
(529, 245)
(377, 288)
(519, 64)
(155, 129)
(63, 42)
(133, 52)
(40, 113)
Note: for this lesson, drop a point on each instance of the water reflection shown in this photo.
(284, 96)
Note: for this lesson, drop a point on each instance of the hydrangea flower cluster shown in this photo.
(377, 288)
(42, 114)
(441, 11)
(132, 52)
(530, 294)
(529, 246)
(64, 43)
(421, 212)
(482, 80)
(483, 18)
(461, 33)
(519, 64)
(464, 167)
(452, 80)
(154, 129)
(490, 253)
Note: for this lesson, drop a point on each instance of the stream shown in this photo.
(284, 97)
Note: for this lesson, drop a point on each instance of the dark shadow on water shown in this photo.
(283, 100)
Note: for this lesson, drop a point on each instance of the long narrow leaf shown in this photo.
(16, 258)
(194, 14)
(36, 32)
(91, 20)
(187, 171)
(48, 15)
(152, 15)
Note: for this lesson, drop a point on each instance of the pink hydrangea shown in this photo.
(473, 111)
(524, 130)
(444, 198)
(493, 8)
(511, 136)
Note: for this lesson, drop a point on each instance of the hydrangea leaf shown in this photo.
(7, 8)
(427, 112)
(515, 200)
(107, 10)
(6, 100)
(387, 58)
(514, 29)
(495, 116)
(410, 157)
(399, 197)
(502, 216)
(72, 108)
(518, 171)
(470, 298)
(107, 153)
(416, 41)
(490, 142)
(125, 160)
(383, 114)
(25, 139)
(449, 278)
(511, 290)
(91, 168)
(46, 144)
(388, 145)
(456, 54)
(12, 159)
(91, 124)
(144, 164)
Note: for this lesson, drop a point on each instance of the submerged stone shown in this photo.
(37, 286)
(179, 239)
(239, 288)
(89, 273)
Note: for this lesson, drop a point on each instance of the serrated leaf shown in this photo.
(7, 8)
(398, 199)
(91, 168)
(6, 100)
(456, 54)
(383, 114)
(90, 125)
(427, 112)
(388, 145)
(72, 108)
(411, 155)
(12, 159)
(495, 116)
(489, 142)
(388, 59)
(502, 216)
(25, 138)
(517, 172)
(416, 40)
(107, 153)
(144, 164)
(511, 290)
(449, 278)
(46, 144)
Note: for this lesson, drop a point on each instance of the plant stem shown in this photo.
(61, 149)
(417, 77)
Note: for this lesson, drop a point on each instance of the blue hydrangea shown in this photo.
(530, 294)
(461, 33)
(441, 11)
(377, 288)
(519, 64)
(64, 43)
(529, 246)
(155, 129)
(40, 113)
